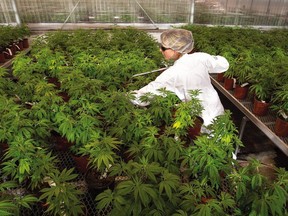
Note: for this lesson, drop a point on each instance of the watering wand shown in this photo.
(148, 72)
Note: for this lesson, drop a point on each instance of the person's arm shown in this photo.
(162, 81)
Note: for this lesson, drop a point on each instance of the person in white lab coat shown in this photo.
(189, 72)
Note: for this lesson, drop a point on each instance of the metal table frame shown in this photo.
(8, 63)
(265, 123)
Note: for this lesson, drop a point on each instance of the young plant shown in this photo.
(211, 155)
(280, 101)
(120, 115)
(243, 66)
(62, 196)
(10, 202)
(256, 194)
(263, 80)
(7, 86)
(149, 188)
(101, 150)
(187, 112)
(23, 31)
(11, 117)
(77, 120)
(160, 106)
(25, 161)
(199, 197)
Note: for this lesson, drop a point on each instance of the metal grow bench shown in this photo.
(264, 123)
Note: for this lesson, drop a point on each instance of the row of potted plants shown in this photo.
(258, 66)
(77, 86)
(13, 39)
(34, 109)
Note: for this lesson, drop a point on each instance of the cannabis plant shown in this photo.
(263, 79)
(187, 112)
(77, 120)
(15, 121)
(101, 150)
(7, 86)
(26, 161)
(62, 196)
(23, 31)
(256, 194)
(149, 188)
(10, 202)
(211, 155)
(280, 101)
(160, 106)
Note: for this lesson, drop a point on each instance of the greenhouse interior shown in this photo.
(203, 124)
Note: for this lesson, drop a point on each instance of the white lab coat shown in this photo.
(191, 72)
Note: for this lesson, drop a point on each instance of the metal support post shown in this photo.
(241, 131)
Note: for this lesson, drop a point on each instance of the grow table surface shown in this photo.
(264, 123)
(8, 62)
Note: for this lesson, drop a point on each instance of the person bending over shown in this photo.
(190, 71)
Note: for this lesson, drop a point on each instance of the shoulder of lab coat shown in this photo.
(214, 63)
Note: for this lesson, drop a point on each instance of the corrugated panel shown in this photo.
(217, 12)
(7, 14)
(243, 12)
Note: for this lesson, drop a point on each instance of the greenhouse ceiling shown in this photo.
(144, 12)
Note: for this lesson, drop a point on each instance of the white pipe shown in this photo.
(192, 11)
(147, 14)
(153, 71)
(70, 14)
(18, 21)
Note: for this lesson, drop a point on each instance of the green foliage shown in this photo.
(62, 196)
(9, 34)
(25, 160)
(280, 101)
(256, 194)
(160, 106)
(242, 66)
(11, 202)
(7, 86)
(24, 31)
(187, 112)
(263, 82)
(11, 119)
(159, 167)
(101, 150)
(165, 173)
(135, 195)
(214, 158)
(77, 120)
(6, 207)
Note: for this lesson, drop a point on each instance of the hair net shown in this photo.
(180, 40)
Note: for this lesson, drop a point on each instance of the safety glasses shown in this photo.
(163, 48)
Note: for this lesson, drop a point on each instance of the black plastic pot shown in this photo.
(98, 181)
(2, 56)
